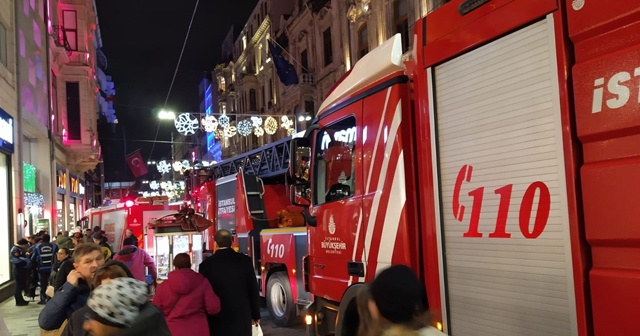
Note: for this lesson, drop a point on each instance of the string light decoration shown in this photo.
(218, 134)
(154, 185)
(186, 124)
(230, 131)
(245, 127)
(270, 125)
(224, 121)
(185, 164)
(177, 166)
(291, 132)
(285, 122)
(258, 131)
(163, 167)
(209, 123)
(257, 121)
(33, 200)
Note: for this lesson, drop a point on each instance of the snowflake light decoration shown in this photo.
(186, 124)
(258, 131)
(286, 123)
(257, 121)
(185, 164)
(209, 123)
(177, 166)
(163, 167)
(224, 121)
(245, 127)
(291, 131)
(270, 125)
(230, 131)
(163, 185)
(154, 185)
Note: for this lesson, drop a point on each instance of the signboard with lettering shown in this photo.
(61, 180)
(73, 185)
(6, 131)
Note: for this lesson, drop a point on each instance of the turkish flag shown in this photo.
(136, 164)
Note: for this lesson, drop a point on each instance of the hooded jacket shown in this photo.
(185, 299)
(64, 241)
(136, 259)
(150, 322)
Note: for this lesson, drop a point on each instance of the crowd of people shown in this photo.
(95, 292)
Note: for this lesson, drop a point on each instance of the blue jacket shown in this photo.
(19, 258)
(44, 255)
(67, 300)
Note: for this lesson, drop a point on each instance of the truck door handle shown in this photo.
(320, 266)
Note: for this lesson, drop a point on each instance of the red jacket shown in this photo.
(186, 298)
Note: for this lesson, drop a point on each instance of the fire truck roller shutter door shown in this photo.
(503, 190)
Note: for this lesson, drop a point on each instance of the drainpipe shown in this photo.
(49, 130)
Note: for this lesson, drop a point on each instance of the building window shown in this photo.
(70, 24)
(401, 21)
(222, 84)
(253, 104)
(304, 60)
(328, 52)
(3, 45)
(363, 41)
(73, 111)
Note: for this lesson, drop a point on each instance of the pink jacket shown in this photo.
(137, 259)
(186, 298)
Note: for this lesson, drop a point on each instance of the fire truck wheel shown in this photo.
(280, 301)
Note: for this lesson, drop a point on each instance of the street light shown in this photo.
(167, 115)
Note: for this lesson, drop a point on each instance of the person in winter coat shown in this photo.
(64, 242)
(110, 270)
(137, 259)
(397, 304)
(21, 266)
(186, 298)
(121, 307)
(73, 295)
(233, 278)
(101, 240)
(63, 262)
(44, 256)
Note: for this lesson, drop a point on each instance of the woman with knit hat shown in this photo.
(397, 304)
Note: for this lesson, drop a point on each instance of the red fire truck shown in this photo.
(247, 195)
(501, 164)
(132, 214)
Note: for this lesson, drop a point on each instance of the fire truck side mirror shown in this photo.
(300, 196)
(300, 156)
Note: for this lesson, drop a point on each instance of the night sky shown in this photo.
(142, 40)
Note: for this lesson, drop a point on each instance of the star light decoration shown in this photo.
(163, 167)
(225, 127)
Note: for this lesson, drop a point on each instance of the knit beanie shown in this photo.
(397, 293)
(118, 302)
(129, 241)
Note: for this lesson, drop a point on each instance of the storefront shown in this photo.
(6, 221)
(61, 191)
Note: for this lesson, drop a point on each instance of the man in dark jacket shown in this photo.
(21, 267)
(232, 277)
(87, 258)
(44, 256)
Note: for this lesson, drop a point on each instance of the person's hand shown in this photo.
(74, 277)
(256, 322)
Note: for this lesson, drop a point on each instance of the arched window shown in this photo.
(363, 40)
(401, 21)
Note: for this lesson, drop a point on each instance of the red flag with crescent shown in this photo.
(136, 164)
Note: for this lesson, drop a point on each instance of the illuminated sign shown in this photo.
(61, 180)
(81, 187)
(6, 131)
(74, 185)
(345, 136)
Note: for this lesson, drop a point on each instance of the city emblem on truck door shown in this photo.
(332, 225)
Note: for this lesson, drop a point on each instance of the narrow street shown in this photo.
(23, 321)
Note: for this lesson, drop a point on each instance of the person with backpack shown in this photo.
(44, 256)
(100, 239)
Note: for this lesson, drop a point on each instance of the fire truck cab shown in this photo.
(501, 166)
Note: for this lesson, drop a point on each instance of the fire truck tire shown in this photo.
(280, 300)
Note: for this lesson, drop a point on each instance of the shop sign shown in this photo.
(61, 180)
(74, 187)
(80, 187)
(6, 131)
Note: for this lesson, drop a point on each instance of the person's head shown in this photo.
(41, 233)
(96, 228)
(223, 238)
(23, 243)
(182, 260)
(128, 232)
(397, 296)
(114, 306)
(112, 269)
(77, 235)
(87, 258)
(129, 241)
(46, 238)
(87, 232)
(97, 237)
(37, 240)
(63, 253)
(59, 233)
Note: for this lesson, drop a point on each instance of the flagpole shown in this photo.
(290, 56)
